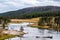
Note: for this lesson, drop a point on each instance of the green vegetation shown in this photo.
(6, 37)
(33, 15)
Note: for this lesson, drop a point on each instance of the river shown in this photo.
(33, 32)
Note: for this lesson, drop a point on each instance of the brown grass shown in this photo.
(34, 20)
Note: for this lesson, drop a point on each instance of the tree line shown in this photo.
(4, 21)
(31, 15)
(52, 22)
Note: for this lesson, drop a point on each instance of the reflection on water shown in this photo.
(33, 32)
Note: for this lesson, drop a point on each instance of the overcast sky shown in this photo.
(10, 5)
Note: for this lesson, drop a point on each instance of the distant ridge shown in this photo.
(30, 10)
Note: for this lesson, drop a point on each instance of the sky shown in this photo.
(11, 5)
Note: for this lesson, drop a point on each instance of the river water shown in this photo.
(33, 32)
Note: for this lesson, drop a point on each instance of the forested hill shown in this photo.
(33, 12)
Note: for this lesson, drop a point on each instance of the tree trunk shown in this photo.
(3, 26)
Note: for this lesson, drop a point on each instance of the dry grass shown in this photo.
(34, 20)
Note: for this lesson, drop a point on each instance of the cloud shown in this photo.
(9, 5)
(57, 0)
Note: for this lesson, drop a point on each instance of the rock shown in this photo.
(48, 37)
(37, 37)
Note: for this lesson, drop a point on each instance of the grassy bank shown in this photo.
(44, 27)
(6, 37)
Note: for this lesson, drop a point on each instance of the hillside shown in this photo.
(33, 12)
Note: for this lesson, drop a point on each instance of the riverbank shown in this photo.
(35, 25)
(6, 37)
(4, 34)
